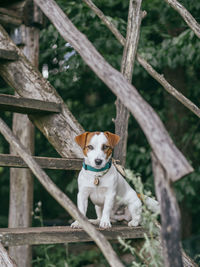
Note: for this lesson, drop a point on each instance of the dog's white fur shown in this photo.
(112, 191)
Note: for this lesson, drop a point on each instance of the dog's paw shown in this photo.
(105, 224)
(94, 221)
(76, 224)
(134, 223)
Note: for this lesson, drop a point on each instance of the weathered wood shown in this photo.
(21, 191)
(62, 234)
(5, 260)
(45, 163)
(185, 14)
(60, 197)
(8, 55)
(21, 180)
(32, 16)
(13, 14)
(128, 59)
(60, 129)
(159, 77)
(171, 158)
(27, 105)
(170, 216)
(187, 261)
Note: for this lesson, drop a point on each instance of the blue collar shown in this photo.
(90, 168)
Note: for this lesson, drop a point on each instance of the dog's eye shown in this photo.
(104, 147)
(90, 147)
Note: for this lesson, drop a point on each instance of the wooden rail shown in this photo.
(8, 54)
(62, 234)
(27, 105)
(44, 162)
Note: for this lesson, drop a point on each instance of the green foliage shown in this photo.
(49, 256)
(168, 44)
(150, 254)
(58, 255)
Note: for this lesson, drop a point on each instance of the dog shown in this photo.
(100, 181)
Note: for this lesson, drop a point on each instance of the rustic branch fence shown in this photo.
(60, 128)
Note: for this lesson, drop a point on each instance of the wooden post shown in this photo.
(21, 180)
(170, 216)
(60, 129)
(130, 48)
(60, 197)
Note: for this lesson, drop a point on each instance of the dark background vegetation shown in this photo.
(171, 48)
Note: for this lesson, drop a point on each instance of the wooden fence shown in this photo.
(60, 128)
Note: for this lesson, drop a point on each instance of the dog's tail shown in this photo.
(152, 204)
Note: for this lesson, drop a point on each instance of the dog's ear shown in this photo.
(81, 139)
(113, 139)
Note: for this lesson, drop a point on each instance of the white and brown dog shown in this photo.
(102, 183)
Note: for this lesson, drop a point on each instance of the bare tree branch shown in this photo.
(185, 14)
(170, 89)
(128, 59)
(59, 196)
(5, 260)
(106, 21)
(171, 158)
(185, 101)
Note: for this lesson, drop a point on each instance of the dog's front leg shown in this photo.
(108, 206)
(83, 202)
(82, 206)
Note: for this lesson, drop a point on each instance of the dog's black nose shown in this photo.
(98, 161)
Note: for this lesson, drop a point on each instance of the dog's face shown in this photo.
(97, 147)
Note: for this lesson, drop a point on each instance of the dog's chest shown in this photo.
(96, 192)
(97, 195)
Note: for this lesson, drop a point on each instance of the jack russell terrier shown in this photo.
(100, 181)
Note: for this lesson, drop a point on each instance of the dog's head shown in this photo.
(97, 147)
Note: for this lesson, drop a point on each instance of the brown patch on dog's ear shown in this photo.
(81, 139)
(113, 139)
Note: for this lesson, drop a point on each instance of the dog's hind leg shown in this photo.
(135, 209)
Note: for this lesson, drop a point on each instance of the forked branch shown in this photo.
(171, 158)
(168, 87)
